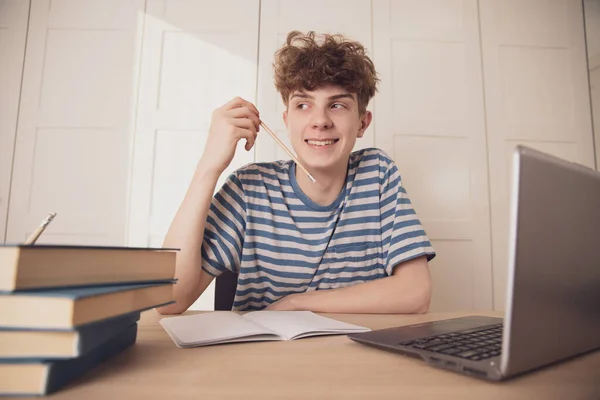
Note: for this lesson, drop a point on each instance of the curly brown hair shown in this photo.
(304, 63)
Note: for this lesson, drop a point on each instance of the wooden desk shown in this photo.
(331, 367)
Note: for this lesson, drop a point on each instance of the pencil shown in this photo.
(288, 151)
(36, 234)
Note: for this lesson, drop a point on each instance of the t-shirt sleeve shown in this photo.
(403, 236)
(224, 229)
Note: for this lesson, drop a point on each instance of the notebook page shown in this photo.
(212, 328)
(296, 324)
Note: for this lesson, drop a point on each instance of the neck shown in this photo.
(328, 185)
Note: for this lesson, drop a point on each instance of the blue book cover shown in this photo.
(67, 308)
(80, 292)
(42, 377)
(28, 344)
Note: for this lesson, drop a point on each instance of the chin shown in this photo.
(323, 164)
(319, 167)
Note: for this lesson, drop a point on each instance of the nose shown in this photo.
(320, 119)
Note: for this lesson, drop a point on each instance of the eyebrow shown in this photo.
(304, 95)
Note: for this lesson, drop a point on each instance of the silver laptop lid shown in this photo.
(553, 290)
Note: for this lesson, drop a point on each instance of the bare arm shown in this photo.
(186, 233)
(236, 120)
(407, 291)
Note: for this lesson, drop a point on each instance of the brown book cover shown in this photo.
(47, 266)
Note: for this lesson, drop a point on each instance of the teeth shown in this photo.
(321, 142)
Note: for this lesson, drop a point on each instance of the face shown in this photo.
(323, 126)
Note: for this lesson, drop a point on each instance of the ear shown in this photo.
(365, 121)
(285, 118)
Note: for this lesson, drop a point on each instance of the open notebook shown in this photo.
(228, 327)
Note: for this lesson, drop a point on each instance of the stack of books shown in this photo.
(66, 309)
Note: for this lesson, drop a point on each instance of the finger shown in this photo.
(244, 123)
(234, 103)
(248, 135)
(253, 107)
(240, 102)
(245, 112)
(250, 145)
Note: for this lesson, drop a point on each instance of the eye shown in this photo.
(301, 106)
(337, 106)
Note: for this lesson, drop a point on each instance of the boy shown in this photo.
(348, 243)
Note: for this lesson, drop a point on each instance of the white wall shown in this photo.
(117, 97)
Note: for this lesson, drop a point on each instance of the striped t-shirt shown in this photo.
(263, 227)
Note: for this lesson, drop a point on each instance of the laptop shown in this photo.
(552, 309)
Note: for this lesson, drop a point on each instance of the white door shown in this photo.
(74, 130)
(536, 94)
(14, 15)
(197, 55)
(429, 117)
(592, 28)
(277, 19)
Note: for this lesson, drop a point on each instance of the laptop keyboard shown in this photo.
(472, 344)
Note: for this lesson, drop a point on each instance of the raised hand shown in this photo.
(237, 119)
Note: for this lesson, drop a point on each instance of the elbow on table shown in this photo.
(422, 301)
(171, 309)
(422, 307)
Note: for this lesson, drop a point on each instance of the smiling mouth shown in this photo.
(328, 142)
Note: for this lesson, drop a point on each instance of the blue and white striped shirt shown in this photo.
(263, 227)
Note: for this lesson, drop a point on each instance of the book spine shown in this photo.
(63, 372)
(93, 335)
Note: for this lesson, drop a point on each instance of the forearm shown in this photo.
(407, 291)
(186, 233)
(368, 298)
